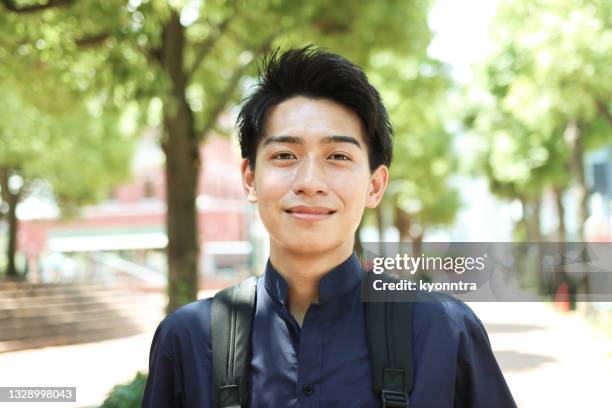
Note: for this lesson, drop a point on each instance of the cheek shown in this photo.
(271, 187)
(352, 191)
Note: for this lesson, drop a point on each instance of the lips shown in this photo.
(310, 213)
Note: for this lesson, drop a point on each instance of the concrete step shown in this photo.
(81, 336)
(92, 304)
(8, 288)
(35, 315)
(67, 328)
(107, 295)
(133, 311)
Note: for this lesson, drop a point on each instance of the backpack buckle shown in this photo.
(229, 396)
(394, 399)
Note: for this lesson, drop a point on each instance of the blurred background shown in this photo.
(120, 186)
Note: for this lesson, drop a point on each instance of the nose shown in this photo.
(309, 178)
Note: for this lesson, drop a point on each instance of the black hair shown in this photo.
(314, 73)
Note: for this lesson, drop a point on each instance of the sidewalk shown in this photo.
(93, 368)
(549, 359)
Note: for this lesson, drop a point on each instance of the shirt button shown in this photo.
(308, 390)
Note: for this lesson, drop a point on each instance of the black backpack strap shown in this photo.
(232, 317)
(389, 330)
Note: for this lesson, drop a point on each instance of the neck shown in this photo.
(303, 272)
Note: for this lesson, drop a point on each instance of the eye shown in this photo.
(340, 157)
(283, 156)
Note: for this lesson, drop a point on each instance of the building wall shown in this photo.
(138, 205)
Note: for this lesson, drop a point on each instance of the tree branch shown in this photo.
(4, 176)
(154, 54)
(603, 109)
(6, 194)
(11, 6)
(92, 41)
(207, 45)
(233, 83)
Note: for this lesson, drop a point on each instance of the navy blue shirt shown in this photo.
(325, 363)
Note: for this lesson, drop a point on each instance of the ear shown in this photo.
(248, 181)
(379, 179)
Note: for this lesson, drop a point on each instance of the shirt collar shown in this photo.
(334, 284)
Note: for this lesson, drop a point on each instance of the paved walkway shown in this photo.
(93, 368)
(549, 360)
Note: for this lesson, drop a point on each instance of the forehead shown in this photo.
(312, 118)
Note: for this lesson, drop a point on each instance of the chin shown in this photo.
(313, 245)
(310, 245)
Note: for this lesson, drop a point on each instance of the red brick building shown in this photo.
(128, 230)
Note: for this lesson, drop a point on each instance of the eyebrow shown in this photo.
(299, 140)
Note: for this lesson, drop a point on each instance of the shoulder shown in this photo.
(446, 314)
(192, 321)
(195, 313)
(189, 324)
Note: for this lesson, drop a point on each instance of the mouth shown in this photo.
(310, 213)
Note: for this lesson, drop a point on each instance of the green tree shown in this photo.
(420, 195)
(549, 87)
(194, 57)
(553, 74)
(79, 154)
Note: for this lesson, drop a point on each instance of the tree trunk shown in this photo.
(536, 220)
(402, 223)
(536, 239)
(521, 227)
(574, 138)
(417, 244)
(561, 234)
(180, 145)
(12, 199)
(561, 231)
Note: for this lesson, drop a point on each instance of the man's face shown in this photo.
(312, 179)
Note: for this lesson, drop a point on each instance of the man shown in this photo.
(316, 143)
